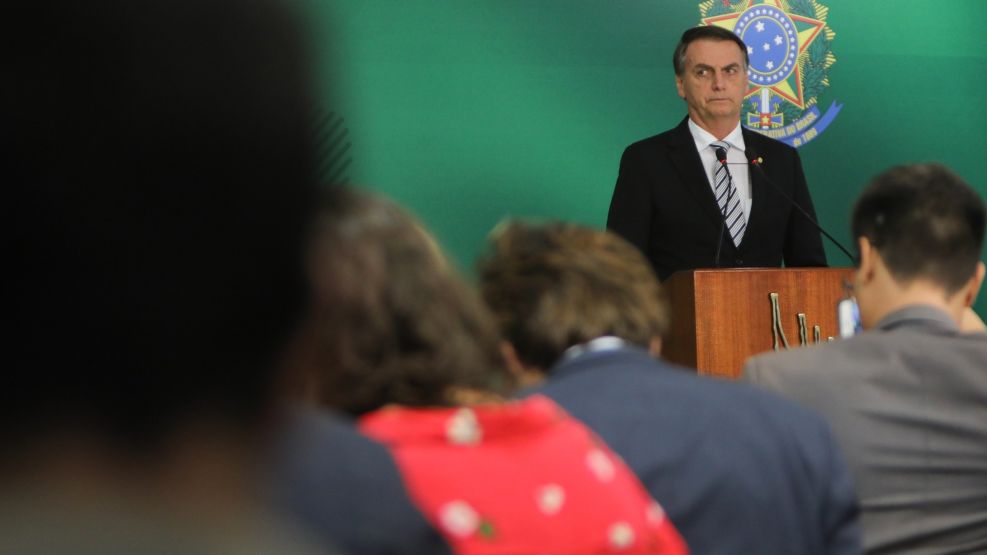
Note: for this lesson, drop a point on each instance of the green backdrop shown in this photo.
(468, 111)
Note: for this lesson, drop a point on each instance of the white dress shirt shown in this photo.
(736, 160)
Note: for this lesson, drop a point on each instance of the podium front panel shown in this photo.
(722, 317)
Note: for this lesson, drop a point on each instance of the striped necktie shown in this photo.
(727, 197)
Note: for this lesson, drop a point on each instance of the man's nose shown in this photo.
(717, 81)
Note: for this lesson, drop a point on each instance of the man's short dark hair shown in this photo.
(925, 222)
(555, 285)
(159, 161)
(705, 32)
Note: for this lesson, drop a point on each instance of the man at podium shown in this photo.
(688, 198)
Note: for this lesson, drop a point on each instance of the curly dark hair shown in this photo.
(394, 323)
(555, 285)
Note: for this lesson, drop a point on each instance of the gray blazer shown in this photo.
(908, 404)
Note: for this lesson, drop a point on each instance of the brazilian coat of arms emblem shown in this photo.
(788, 43)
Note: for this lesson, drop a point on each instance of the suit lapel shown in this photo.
(692, 175)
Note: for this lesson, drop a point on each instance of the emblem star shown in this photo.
(766, 47)
(806, 30)
(778, 40)
(750, 50)
(770, 64)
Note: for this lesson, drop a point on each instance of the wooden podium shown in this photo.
(722, 317)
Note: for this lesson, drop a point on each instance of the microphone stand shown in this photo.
(755, 161)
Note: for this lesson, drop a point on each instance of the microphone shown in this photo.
(755, 162)
(721, 157)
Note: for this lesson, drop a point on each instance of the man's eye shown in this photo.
(702, 72)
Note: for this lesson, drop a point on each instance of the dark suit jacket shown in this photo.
(663, 203)
(737, 470)
(908, 404)
(344, 488)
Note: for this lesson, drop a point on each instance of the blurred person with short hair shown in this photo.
(907, 398)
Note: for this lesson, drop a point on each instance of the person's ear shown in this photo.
(972, 287)
(867, 264)
(679, 87)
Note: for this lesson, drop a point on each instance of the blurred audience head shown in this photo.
(920, 229)
(392, 321)
(160, 158)
(555, 285)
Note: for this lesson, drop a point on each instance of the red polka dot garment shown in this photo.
(522, 477)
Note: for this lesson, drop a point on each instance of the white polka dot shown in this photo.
(655, 514)
(550, 498)
(601, 465)
(621, 535)
(459, 519)
(463, 428)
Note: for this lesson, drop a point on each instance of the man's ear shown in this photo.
(678, 86)
(973, 286)
(867, 263)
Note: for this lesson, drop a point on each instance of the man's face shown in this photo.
(713, 82)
